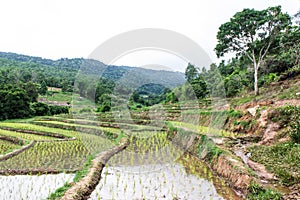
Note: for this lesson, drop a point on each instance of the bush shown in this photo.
(55, 110)
(257, 192)
(234, 113)
(105, 107)
(268, 78)
(40, 109)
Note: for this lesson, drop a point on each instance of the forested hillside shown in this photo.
(24, 78)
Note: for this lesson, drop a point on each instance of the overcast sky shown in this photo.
(70, 28)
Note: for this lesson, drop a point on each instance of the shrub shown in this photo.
(40, 109)
(105, 107)
(257, 192)
(234, 113)
(55, 110)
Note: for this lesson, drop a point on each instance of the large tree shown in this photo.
(251, 33)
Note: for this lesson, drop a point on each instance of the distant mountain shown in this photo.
(55, 71)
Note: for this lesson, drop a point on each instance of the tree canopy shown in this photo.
(251, 33)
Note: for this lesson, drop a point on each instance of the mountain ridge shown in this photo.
(90, 66)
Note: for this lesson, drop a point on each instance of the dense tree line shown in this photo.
(20, 101)
(267, 47)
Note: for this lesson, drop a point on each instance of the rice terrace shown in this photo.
(80, 128)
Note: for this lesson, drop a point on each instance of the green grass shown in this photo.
(257, 192)
(6, 146)
(242, 100)
(283, 159)
(289, 93)
(289, 118)
(59, 192)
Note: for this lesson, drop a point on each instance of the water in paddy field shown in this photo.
(31, 187)
(154, 177)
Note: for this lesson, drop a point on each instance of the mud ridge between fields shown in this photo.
(84, 188)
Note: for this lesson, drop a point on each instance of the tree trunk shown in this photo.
(256, 79)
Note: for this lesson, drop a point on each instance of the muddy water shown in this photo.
(166, 174)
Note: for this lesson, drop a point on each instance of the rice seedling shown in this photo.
(31, 187)
(68, 155)
(25, 136)
(6, 146)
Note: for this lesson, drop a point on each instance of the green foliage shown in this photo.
(171, 97)
(84, 171)
(295, 131)
(288, 116)
(42, 109)
(65, 87)
(195, 87)
(251, 33)
(269, 78)
(199, 86)
(32, 90)
(234, 113)
(55, 110)
(43, 88)
(85, 110)
(282, 159)
(150, 94)
(59, 192)
(257, 192)
(207, 149)
(14, 102)
(191, 73)
(105, 107)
